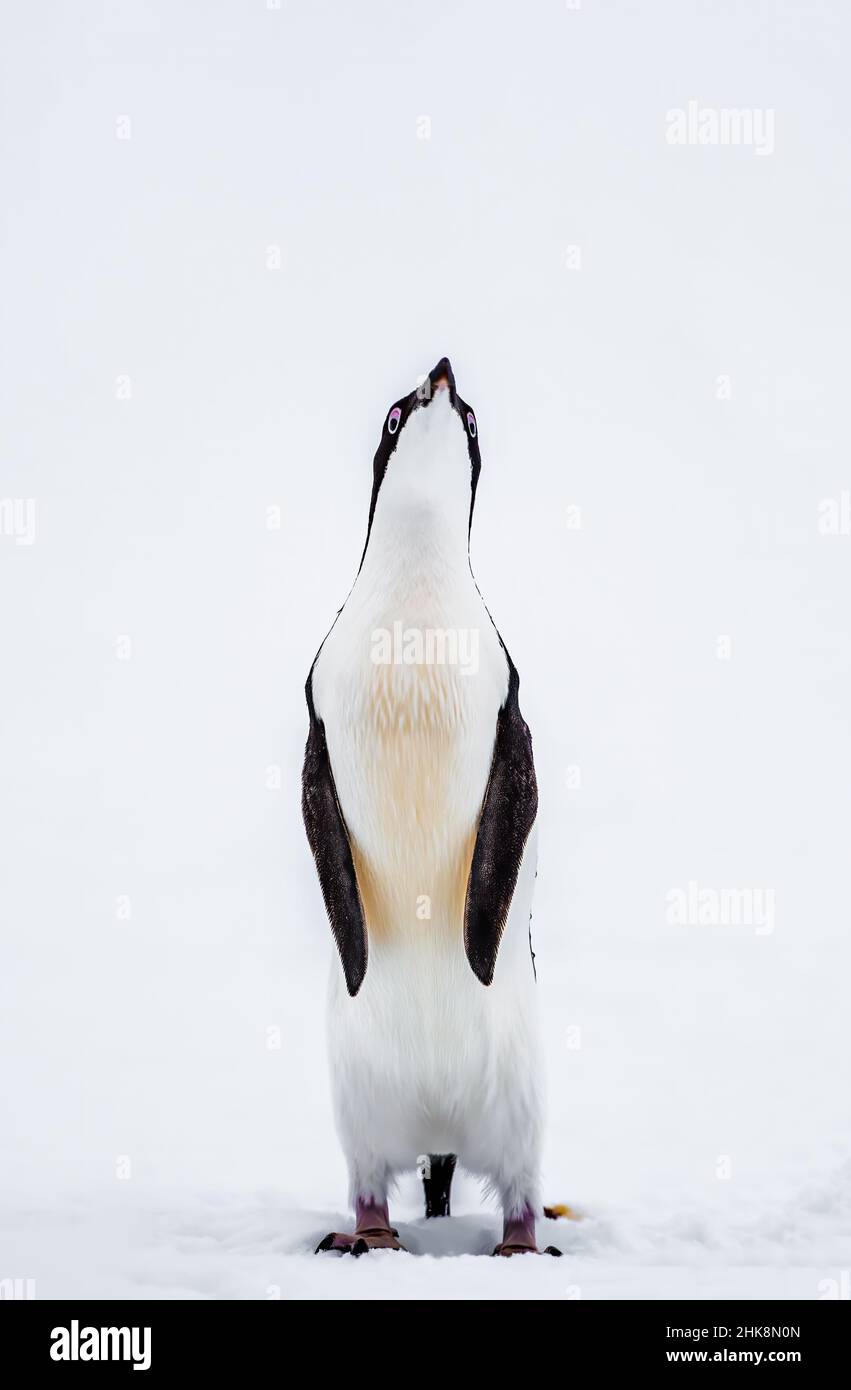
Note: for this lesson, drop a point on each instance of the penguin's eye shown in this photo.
(471, 424)
(393, 419)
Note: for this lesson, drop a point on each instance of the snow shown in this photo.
(164, 1103)
(227, 1246)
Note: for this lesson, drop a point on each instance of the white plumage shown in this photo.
(425, 1058)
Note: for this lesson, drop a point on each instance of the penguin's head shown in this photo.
(428, 458)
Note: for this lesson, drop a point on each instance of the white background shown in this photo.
(595, 387)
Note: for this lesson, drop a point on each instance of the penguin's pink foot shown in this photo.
(518, 1237)
(360, 1242)
(372, 1232)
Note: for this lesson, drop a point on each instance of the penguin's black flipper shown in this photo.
(508, 813)
(329, 841)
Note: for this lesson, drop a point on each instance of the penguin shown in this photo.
(420, 802)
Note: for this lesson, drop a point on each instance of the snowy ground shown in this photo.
(205, 325)
(259, 1249)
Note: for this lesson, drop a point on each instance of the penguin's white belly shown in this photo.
(424, 1058)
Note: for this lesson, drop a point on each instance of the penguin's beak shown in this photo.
(442, 377)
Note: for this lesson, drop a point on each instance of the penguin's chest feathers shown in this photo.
(424, 771)
(411, 753)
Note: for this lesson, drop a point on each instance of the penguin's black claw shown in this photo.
(553, 1250)
(360, 1247)
(327, 1243)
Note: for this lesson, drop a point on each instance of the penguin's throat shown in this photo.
(416, 546)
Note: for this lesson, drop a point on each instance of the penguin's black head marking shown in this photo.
(440, 378)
